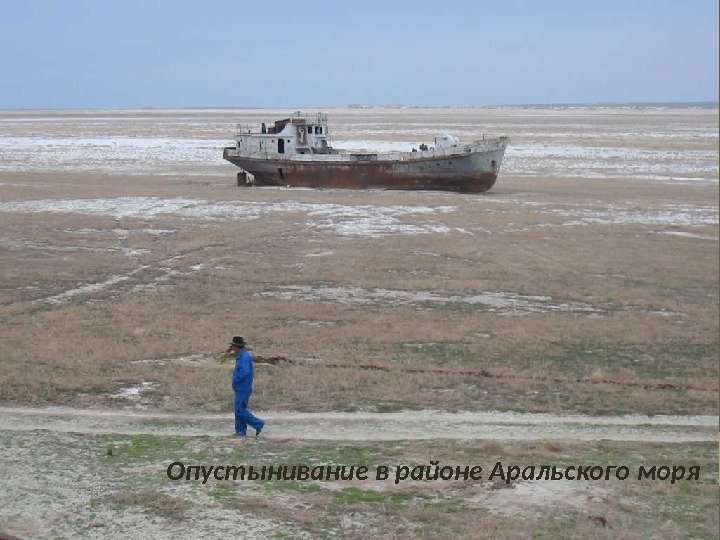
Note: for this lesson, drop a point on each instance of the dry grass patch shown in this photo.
(189, 290)
(152, 501)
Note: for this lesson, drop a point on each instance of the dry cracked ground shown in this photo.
(569, 316)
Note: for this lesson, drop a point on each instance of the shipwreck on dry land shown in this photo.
(296, 152)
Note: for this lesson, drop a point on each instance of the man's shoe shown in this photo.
(258, 430)
(240, 435)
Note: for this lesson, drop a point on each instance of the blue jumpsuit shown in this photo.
(242, 382)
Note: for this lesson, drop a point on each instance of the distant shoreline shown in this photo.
(594, 105)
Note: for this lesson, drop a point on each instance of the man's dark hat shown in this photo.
(238, 342)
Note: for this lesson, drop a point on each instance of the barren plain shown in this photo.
(568, 315)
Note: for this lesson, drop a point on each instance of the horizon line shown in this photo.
(706, 103)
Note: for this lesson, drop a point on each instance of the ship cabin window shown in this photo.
(318, 130)
(309, 128)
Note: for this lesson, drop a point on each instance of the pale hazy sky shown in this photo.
(274, 53)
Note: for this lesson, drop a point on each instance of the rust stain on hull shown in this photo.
(386, 175)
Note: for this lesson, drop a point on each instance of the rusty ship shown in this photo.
(296, 151)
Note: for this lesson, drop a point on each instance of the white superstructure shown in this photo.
(299, 134)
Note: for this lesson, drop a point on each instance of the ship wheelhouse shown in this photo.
(299, 134)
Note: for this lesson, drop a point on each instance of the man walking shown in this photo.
(242, 382)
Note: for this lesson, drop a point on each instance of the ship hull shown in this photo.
(467, 172)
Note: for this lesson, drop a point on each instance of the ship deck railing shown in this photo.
(364, 155)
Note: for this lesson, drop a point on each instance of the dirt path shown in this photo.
(372, 426)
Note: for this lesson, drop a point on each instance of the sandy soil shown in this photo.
(585, 281)
(407, 425)
(58, 482)
(63, 494)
